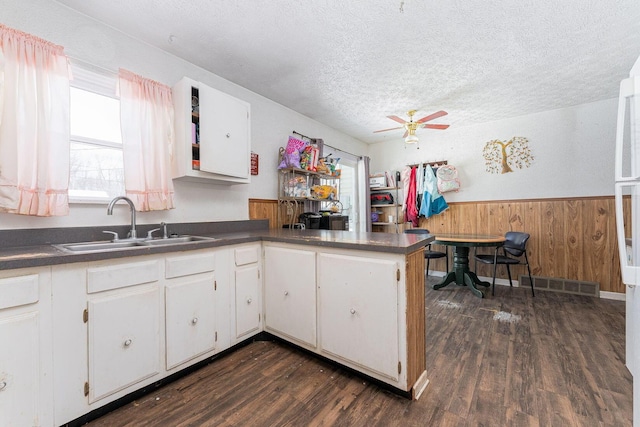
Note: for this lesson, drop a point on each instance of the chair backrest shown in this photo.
(417, 231)
(516, 242)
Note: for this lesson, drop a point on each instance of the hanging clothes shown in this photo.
(432, 201)
(412, 210)
(419, 185)
(405, 176)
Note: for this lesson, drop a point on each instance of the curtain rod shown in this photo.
(88, 64)
(432, 164)
(304, 136)
(342, 151)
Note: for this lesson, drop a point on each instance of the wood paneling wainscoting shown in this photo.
(264, 209)
(571, 238)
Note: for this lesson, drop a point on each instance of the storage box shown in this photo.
(377, 181)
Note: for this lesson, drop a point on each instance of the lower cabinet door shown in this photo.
(124, 345)
(248, 303)
(190, 319)
(359, 311)
(290, 293)
(19, 370)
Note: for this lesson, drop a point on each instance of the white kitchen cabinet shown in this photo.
(358, 300)
(26, 389)
(248, 291)
(124, 340)
(190, 307)
(107, 339)
(213, 134)
(290, 297)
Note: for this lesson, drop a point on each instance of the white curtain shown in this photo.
(363, 187)
(146, 116)
(34, 125)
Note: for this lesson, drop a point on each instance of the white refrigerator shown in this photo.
(627, 199)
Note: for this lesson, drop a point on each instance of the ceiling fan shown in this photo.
(411, 126)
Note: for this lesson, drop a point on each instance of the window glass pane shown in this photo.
(96, 172)
(95, 116)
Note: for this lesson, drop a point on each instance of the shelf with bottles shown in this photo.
(302, 190)
(302, 184)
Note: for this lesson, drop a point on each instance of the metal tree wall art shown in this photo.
(507, 154)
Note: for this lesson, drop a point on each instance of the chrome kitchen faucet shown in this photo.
(132, 232)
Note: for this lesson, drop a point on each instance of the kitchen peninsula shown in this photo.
(101, 325)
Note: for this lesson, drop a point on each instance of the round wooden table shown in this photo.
(461, 274)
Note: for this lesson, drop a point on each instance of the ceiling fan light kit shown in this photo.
(411, 139)
(410, 126)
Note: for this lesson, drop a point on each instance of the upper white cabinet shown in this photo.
(213, 134)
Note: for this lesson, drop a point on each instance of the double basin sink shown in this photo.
(103, 246)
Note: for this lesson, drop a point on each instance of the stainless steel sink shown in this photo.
(127, 244)
(175, 240)
(99, 246)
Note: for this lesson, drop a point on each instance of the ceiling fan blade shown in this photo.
(397, 119)
(441, 127)
(384, 130)
(405, 134)
(432, 116)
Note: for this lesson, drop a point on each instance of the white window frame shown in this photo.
(100, 81)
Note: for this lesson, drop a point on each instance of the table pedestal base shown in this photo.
(461, 274)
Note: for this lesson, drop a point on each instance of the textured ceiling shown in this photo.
(349, 64)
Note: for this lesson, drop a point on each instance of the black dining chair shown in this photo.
(428, 253)
(514, 245)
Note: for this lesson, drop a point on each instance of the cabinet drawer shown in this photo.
(190, 264)
(16, 291)
(248, 255)
(120, 276)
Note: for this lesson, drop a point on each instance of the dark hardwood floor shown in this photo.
(508, 360)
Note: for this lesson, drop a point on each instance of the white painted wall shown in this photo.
(573, 150)
(573, 147)
(97, 44)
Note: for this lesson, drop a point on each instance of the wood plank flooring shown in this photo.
(508, 360)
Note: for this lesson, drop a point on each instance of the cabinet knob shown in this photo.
(228, 135)
(249, 301)
(194, 320)
(3, 385)
(127, 343)
(353, 311)
(286, 293)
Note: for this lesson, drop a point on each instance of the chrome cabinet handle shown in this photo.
(286, 293)
(352, 311)
(127, 343)
(194, 320)
(3, 385)
(249, 301)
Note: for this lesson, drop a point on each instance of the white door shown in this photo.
(247, 300)
(290, 293)
(124, 345)
(627, 195)
(190, 319)
(224, 133)
(19, 370)
(358, 300)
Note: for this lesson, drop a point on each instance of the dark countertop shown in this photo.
(33, 248)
